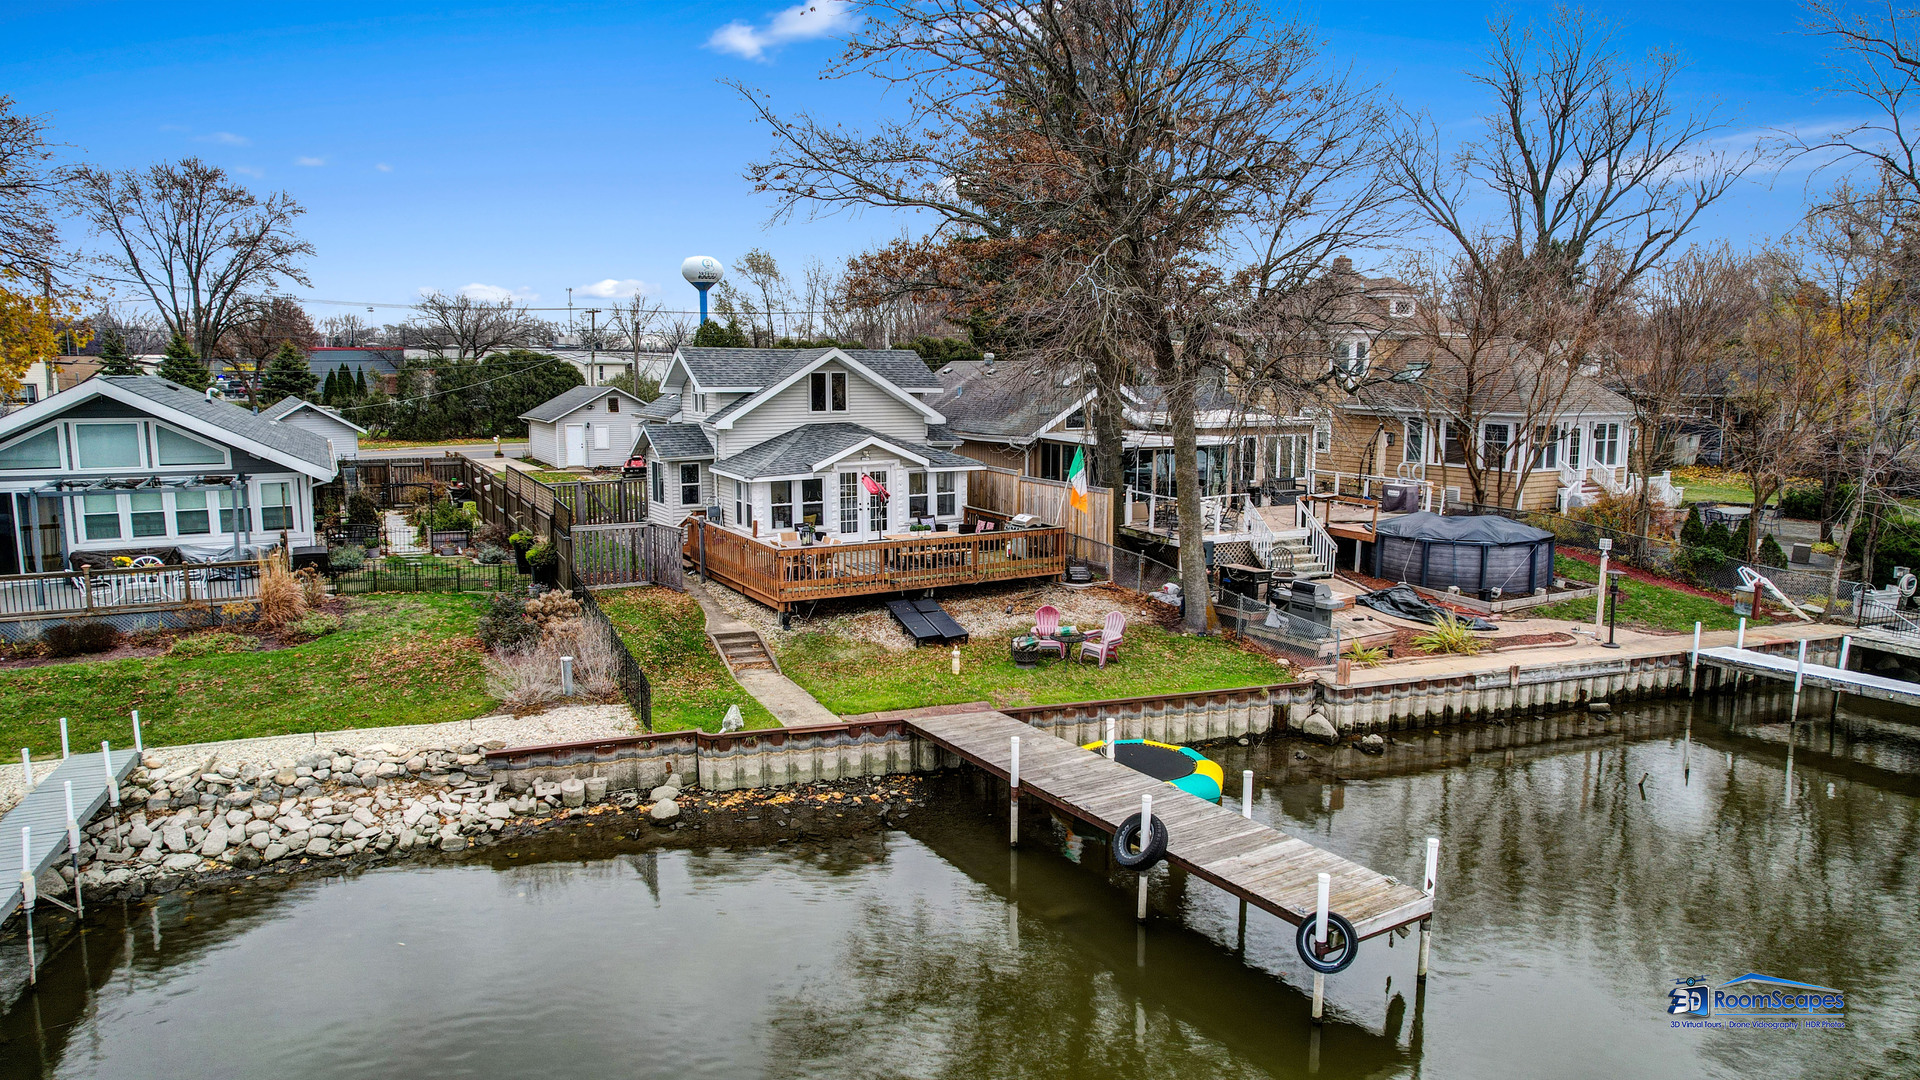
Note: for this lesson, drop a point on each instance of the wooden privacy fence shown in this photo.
(1005, 492)
(627, 554)
(604, 502)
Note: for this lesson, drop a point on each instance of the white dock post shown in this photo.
(106, 764)
(1112, 730)
(1320, 942)
(1846, 647)
(1600, 598)
(1146, 835)
(138, 747)
(28, 894)
(1799, 676)
(1246, 793)
(1741, 641)
(26, 762)
(1013, 797)
(1693, 665)
(566, 676)
(1427, 886)
(73, 851)
(65, 750)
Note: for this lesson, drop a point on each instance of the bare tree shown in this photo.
(1876, 63)
(140, 331)
(30, 188)
(759, 271)
(193, 242)
(467, 327)
(345, 331)
(266, 323)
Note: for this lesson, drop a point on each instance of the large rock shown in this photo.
(1318, 728)
(274, 852)
(139, 835)
(182, 861)
(174, 838)
(665, 792)
(216, 840)
(664, 810)
(453, 843)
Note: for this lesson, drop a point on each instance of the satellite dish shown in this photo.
(702, 271)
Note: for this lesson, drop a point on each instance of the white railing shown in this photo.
(1367, 485)
(1261, 535)
(1613, 479)
(1665, 491)
(1214, 510)
(1318, 541)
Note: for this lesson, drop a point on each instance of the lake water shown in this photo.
(1587, 862)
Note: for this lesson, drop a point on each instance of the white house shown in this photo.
(343, 433)
(843, 439)
(139, 465)
(586, 427)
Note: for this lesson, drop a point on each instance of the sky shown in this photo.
(525, 149)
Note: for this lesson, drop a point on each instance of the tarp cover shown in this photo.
(1462, 529)
(1401, 600)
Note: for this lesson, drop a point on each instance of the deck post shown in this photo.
(138, 746)
(1427, 886)
(27, 896)
(1846, 647)
(73, 852)
(1146, 834)
(1799, 677)
(1740, 642)
(26, 762)
(1693, 665)
(106, 765)
(1013, 796)
(1112, 725)
(66, 751)
(1246, 794)
(1321, 893)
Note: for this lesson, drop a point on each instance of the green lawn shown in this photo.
(416, 444)
(1713, 485)
(666, 632)
(856, 677)
(554, 476)
(400, 659)
(1642, 606)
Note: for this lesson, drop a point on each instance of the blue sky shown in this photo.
(530, 147)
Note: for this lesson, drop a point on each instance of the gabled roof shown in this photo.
(677, 442)
(1013, 403)
(1504, 385)
(572, 401)
(807, 449)
(282, 444)
(286, 407)
(744, 371)
(660, 408)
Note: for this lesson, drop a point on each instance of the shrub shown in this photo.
(543, 554)
(505, 625)
(1803, 503)
(490, 555)
(314, 624)
(529, 676)
(214, 643)
(1449, 635)
(281, 598)
(361, 510)
(491, 533)
(1365, 657)
(551, 608)
(78, 638)
(312, 587)
(347, 559)
(1770, 553)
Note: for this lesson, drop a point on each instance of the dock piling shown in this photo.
(1112, 731)
(27, 896)
(73, 852)
(138, 747)
(65, 750)
(1320, 905)
(1427, 886)
(26, 762)
(1246, 793)
(1013, 797)
(1846, 648)
(1693, 664)
(1146, 836)
(106, 763)
(1799, 678)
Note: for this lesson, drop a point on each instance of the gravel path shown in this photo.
(568, 723)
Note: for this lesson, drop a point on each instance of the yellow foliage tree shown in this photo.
(30, 329)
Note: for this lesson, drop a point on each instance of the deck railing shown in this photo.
(126, 588)
(780, 577)
(1365, 485)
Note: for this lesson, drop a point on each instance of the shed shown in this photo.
(1475, 552)
(586, 427)
(343, 433)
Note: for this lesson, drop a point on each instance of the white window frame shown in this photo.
(879, 510)
(291, 505)
(778, 504)
(740, 517)
(847, 503)
(659, 487)
(919, 498)
(226, 454)
(827, 380)
(946, 495)
(59, 449)
(1506, 449)
(695, 485)
(139, 441)
(1413, 442)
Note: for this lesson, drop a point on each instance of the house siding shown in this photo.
(345, 440)
(996, 454)
(1352, 432)
(867, 405)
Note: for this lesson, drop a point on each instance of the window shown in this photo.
(149, 517)
(102, 514)
(828, 391)
(613, 400)
(659, 474)
(1459, 437)
(602, 436)
(1573, 447)
(107, 446)
(1606, 444)
(173, 448)
(1494, 441)
(1323, 441)
(689, 485)
(739, 504)
(944, 495)
(849, 502)
(1076, 420)
(41, 451)
(190, 513)
(877, 505)
(1546, 447)
(224, 501)
(916, 495)
(1416, 440)
(700, 404)
(1402, 308)
(276, 506)
(783, 504)
(813, 502)
(1054, 460)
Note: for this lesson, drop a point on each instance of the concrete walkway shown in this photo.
(789, 704)
(1631, 644)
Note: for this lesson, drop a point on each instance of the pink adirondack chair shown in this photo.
(1105, 645)
(1047, 621)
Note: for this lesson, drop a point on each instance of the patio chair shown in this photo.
(1105, 643)
(1047, 623)
(151, 586)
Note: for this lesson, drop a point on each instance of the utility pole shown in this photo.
(569, 309)
(593, 346)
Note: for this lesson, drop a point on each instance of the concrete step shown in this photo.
(743, 649)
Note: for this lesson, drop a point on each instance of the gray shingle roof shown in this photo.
(554, 408)
(286, 407)
(798, 451)
(1013, 403)
(236, 419)
(661, 408)
(678, 442)
(759, 368)
(1503, 385)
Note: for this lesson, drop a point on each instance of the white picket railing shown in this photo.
(1261, 535)
(1214, 510)
(1318, 541)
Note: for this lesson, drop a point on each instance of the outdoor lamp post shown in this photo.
(1613, 604)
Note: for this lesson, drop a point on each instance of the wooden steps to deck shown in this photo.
(743, 649)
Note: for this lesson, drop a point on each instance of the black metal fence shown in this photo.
(633, 681)
(430, 575)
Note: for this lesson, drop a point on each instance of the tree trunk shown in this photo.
(1187, 489)
(1109, 431)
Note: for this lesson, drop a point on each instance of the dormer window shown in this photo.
(1076, 420)
(1401, 308)
(829, 391)
(1350, 350)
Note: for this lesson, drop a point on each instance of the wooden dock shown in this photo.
(1257, 863)
(1841, 680)
(45, 811)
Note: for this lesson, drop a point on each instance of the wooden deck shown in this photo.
(1257, 863)
(781, 577)
(45, 810)
(1775, 666)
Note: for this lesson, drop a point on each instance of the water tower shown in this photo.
(703, 272)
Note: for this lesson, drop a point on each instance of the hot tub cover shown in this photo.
(1462, 529)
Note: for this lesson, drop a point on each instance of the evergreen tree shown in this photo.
(114, 359)
(345, 375)
(715, 335)
(181, 365)
(330, 390)
(360, 383)
(1694, 532)
(288, 375)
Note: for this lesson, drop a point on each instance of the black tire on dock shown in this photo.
(1128, 835)
(1344, 945)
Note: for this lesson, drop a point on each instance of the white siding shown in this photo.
(541, 442)
(867, 405)
(345, 440)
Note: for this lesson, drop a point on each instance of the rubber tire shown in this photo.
(1152, 852)
(1303, 941)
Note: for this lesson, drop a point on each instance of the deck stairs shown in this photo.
(1305, 566)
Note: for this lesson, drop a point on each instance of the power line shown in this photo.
(452, 389)
(658, 311)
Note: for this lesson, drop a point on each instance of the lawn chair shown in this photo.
(150, 587)
(1105, 643)
(1047, 623)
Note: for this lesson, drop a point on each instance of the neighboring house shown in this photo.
(126, 465)
(327, 423)
(586, 427)
(773, 438)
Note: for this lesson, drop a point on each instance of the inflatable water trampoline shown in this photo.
(1185, 769)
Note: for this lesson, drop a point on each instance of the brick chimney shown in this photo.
(1343, 265)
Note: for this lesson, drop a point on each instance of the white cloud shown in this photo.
(492, 293)
(803, 22)
(384, 167)
(618, 288)
(310, 162)
(248, 170)
(225, 138)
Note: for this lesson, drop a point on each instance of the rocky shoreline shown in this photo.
(183, 822)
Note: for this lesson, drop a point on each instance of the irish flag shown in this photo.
(1077, 480)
